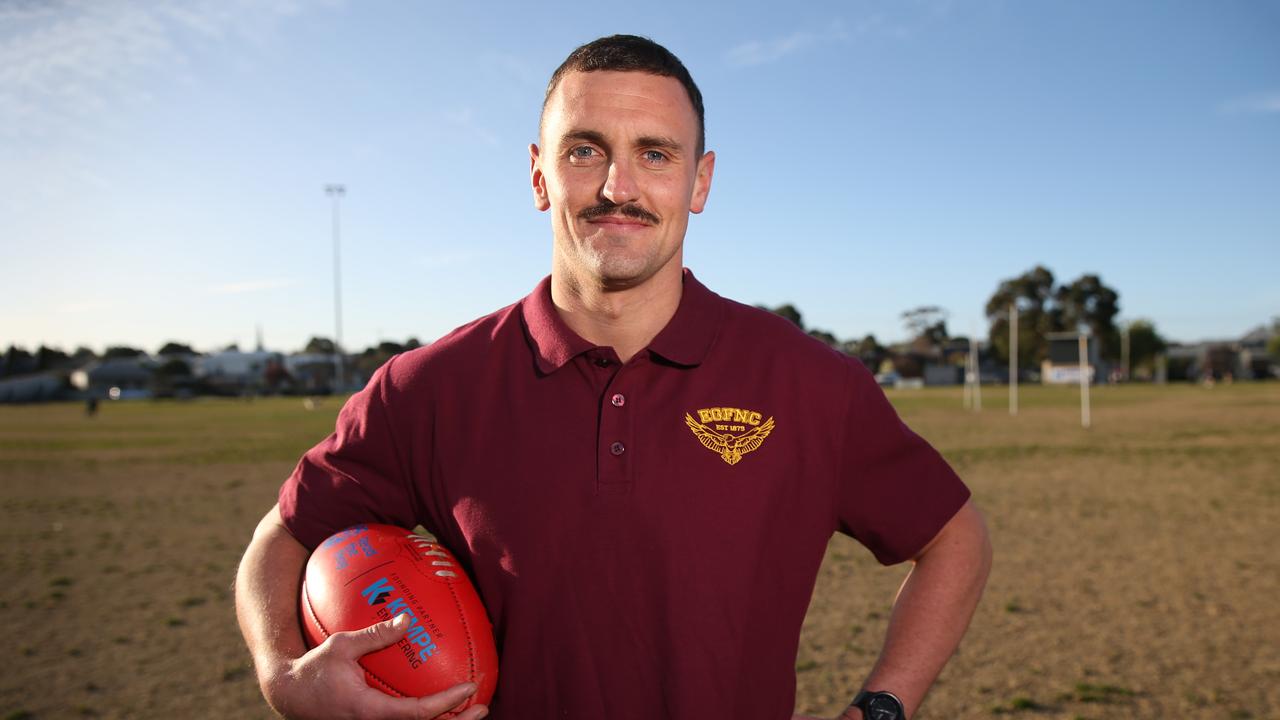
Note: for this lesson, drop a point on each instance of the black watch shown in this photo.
(880, 706)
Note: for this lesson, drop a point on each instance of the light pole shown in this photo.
(1124, 351)
(1013, 358)
(1085, 363)
(974, 375)
(335, 193)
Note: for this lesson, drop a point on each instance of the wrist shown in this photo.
(879, 705)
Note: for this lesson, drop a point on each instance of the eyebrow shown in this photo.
(660, 141)
(592, 136)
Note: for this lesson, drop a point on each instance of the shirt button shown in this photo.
(602, 362)
(618, 400)
(617, 448)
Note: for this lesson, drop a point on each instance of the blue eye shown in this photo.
(654, 156)
(582, 153)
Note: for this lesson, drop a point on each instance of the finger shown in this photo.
(385, 707)
(475, 712)
(358, 643)
(452, 699)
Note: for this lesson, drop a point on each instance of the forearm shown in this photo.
(267, 586)
(932, 610)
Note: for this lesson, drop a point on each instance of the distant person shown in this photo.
(640, 475)
(91, 406)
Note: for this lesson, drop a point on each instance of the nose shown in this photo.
(620, 186)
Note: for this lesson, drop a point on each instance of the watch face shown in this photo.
(883, 708)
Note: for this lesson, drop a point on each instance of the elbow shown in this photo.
(985, 551)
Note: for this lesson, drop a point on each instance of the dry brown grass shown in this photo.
(1135, 575)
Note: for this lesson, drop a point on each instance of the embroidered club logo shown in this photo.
(729, 432)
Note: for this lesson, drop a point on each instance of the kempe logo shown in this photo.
(378, 592)
(417, 643)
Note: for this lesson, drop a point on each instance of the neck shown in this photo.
(624, 319)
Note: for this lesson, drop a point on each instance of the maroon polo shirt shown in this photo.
(645, 536)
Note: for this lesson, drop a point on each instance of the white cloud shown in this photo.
(1256, 104)
(760, 52)
(514, 68)
(464, 119)
(63, 64)
(898, 20)
(251, 286)
(75, 73)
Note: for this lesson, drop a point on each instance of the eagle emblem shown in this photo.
(730, 447)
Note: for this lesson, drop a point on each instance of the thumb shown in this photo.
(375, 637)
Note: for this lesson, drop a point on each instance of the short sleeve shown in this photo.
(895, 492)
(355, 475)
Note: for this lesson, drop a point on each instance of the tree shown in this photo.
(174, 368)
(787, 311)
(1084, 304)
(1032, 292)
(927, 326)
(121, 351)
(48, 358)
(371, 358)
(175, 348)
(172, 378)
(869, 346)
(1087, 304)
(792, 313)
(824, 336)
(1144, 345)
(319, 346)
(868, 350)
(17, 361)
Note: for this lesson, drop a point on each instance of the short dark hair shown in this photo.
(631, 53)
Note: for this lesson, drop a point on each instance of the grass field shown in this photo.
(1136, 573)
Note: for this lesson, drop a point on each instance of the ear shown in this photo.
(702, 183)
(539, 181)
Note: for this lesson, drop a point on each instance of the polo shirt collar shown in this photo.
(686, 339)
(689, 334)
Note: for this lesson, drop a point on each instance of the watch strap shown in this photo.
(895, 710)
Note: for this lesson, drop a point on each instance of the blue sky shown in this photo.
(162, 167)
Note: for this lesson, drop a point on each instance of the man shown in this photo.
(641, 476)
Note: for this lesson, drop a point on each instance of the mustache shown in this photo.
(630, 210)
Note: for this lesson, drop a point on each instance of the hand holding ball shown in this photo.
(372, 573)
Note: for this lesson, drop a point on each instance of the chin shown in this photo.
(617, 268)
(620, 280)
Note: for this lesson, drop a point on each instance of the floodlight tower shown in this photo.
(335, 193)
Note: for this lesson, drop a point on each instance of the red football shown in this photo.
(370, 573)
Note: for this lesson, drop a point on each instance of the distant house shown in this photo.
(1062, 366)
(34, 388)
(232, 372)
(1244, 359)
(311, 373)
(938, 374)
(116, 378)
(1255, 363)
